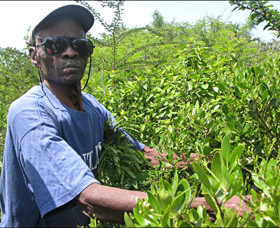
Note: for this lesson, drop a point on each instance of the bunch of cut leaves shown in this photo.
(120, 164)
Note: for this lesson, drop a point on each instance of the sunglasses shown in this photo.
(56, 45)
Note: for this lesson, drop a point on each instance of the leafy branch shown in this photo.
(260, 12)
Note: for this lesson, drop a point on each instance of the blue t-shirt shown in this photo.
(50, 156)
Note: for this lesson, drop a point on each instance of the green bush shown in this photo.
(208, 89)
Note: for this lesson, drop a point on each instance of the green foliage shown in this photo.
(158, 21)
(260, 12)
(223, 180)
(163, 207)
(190, 101)
(207, 88)
(219, 100)
(166, 205)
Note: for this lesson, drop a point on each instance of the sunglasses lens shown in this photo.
(83, 46)
(55, 45)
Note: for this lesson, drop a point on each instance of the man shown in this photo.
(54, 136)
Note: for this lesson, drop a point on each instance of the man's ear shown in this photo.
(33, 57)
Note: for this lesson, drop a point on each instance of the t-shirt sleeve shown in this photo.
(109, 117)
(54, 172)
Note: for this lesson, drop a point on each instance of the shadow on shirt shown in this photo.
(67, 215)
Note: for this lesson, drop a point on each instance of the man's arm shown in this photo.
(108, 203)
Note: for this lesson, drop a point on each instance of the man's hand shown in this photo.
(153, 156)
(235, 203)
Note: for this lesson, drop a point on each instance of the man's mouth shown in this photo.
(70, 66)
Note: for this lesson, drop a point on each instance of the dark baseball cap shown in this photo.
(77, 13)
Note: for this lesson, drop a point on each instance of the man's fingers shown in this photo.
(234, 203)
(153, 156)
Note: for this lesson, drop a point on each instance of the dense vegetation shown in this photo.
(207, 88)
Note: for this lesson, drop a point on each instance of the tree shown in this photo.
(260, 12)
(123, 50)
(157, 19)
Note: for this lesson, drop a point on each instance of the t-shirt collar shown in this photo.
(52, 98)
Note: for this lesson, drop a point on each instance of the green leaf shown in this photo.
(211, 202)
(165, 198)
(128, 221)
(129, 172)
(260, 184)
(198, 223)
(200, 211)
(278, 207)
(235, 183)
(231, 219)
(166, 217)
(202, 175)
(225, 174)
(167, 186)
(235, 155)
(216, 166)
(183, 195)
(222, 87)
(179, 201)
(226, 149)
(185, 186)
(197, 106)
(205, 86)
(140, 219)
(154, 203)
(175, 182)
(216, 89)
(271, 172)
(254, 195)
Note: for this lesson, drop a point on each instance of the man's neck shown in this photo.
(69, 95)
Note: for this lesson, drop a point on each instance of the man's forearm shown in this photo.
(108, 203)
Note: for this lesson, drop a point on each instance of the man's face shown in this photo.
(69, 67)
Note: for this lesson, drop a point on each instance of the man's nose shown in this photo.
(69, 53)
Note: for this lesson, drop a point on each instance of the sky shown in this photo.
(17, 16)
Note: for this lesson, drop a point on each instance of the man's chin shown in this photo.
(72, 79)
